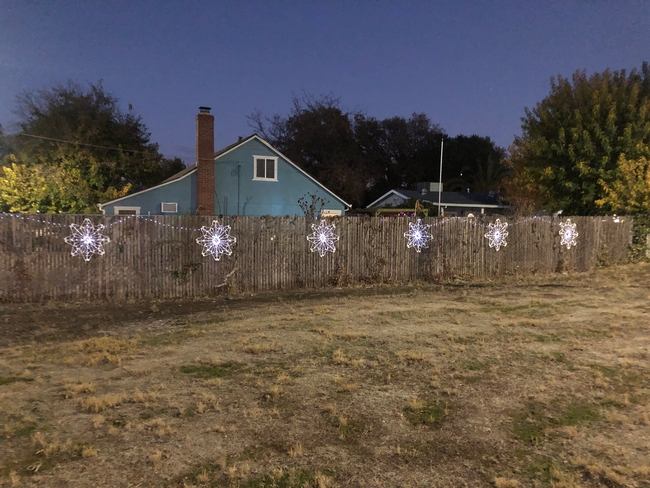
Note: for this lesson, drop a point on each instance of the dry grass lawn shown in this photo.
(541, 382)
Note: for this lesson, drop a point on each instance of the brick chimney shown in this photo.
(205, 162)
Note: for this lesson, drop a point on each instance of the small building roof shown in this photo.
(450, 198)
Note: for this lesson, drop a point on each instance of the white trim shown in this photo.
(442, 204)
(162, 207)
(255, 136)
(116, 210)
(385, 195)
(475, 205)
(275, 170)
(102, 205)
(330, 213)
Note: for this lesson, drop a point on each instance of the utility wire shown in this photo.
(78, 143)
(84, 144)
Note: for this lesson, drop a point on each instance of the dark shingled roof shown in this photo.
(191, 168)
(454, 197)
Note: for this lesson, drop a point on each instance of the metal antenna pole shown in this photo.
(442, 143)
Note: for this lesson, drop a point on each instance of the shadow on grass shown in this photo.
(211, 370)
(530, 426)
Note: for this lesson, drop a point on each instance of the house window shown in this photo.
(266, 168)
(331, 213)
(169, 207)
(126, 210)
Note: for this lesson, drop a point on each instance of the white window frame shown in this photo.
(331, 213)
(116, 210)
(275, 171)
(168, 203)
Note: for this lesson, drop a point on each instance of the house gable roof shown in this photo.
(191, 169)
(451, 198)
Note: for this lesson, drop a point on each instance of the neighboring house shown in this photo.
(453, 204)
(249, 177)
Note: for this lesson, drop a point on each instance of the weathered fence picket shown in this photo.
(159, 257)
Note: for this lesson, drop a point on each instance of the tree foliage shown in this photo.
(360, 157)
(76, 148)
(474, 162)
(5, 149)
(584, 148)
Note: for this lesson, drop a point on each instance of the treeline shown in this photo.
(584, 149)
(75, 149)
(360, 157)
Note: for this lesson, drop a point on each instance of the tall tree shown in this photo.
(580, 143)
(86, 147)
(413, 147)
(319, 137)
(5, 147)
(354, 155)
(473, 162)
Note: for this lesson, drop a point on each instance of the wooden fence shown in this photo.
(159, 257)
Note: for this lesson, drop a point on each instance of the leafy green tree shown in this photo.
(630, 191)
(581, 142)
(84, 145)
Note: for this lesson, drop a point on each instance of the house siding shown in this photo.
(182, 191)
(236, 193)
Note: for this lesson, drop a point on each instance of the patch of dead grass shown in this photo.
(344, 385)
(510, 392)
(90, 352)
(263, 348)
(502, 482)
(96, 404)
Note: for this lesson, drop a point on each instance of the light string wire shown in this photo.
(148, 218)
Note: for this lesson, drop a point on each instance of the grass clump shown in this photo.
(419, 412)
(223, 473)
(530, 426)
(256, 349)
(284, 478)
(98, 350)
(96, 404)
(220, 370)
(12, 379)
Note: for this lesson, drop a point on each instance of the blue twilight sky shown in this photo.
(471, 66)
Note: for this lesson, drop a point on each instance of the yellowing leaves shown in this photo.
(630, 191)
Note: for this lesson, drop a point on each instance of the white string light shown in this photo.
(323, 238)
(328, 244)
(216, 240)
(417, 235)
(87, 239)
(497, 234)
(568, 233)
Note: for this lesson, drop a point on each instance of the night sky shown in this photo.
(472, 67)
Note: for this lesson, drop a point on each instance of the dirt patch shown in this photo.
(542, 382)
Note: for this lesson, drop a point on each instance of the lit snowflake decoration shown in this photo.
(497, 234)
(323, 238)
(417, 235)
(568, 233)
(216, 240)
(87, 239)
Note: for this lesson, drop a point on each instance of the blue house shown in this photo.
(249, 177)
